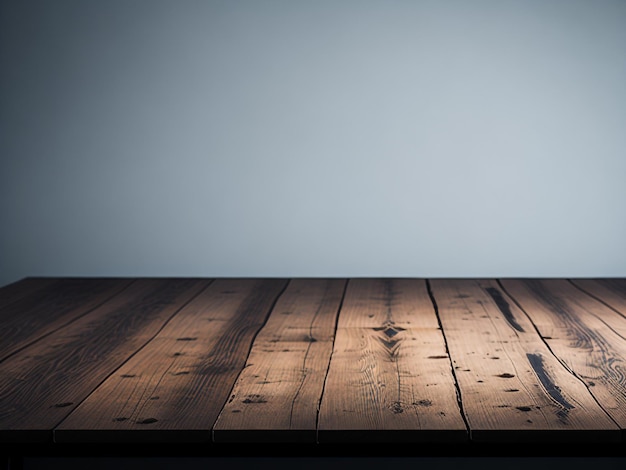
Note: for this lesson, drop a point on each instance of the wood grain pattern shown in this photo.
(276, 397)
(611, 292)
(43, 383)
(390, 378)
(512, 386)
(363, 360)
(23, 288)
(586, 335)
(26, 319)
(174, 388)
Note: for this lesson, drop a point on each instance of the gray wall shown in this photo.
(312, 138)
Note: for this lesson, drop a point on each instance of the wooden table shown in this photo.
(362, 364)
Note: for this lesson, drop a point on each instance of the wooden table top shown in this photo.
(312, 360)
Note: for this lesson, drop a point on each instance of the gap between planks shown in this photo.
(589, 313)
(42, 384)
(584, 333)
(174, 388)
(514, 388)
(276, 395)
(389, 378)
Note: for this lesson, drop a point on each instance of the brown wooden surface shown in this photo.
(611, 292)
(511, 384)
(175, 387)
(380, 360)
(277, 395)
(28, 318)
(23, 288)
(586, 335)
(43, 383)
(390, 376)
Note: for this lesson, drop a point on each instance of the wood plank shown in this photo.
(30, 318)
(512, 387)
(277, 394)
(44, 382)
(174, 388)
(584, 333)
(390, 379)
(612, 292)
(23, 288)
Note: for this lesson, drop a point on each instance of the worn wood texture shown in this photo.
(23, 288)
(113, 360)
(586, 335)
(28, 318)
(44, 382)
(611, 292)
(276, 397)
(390, 378)
(174, 388)
(512, 387)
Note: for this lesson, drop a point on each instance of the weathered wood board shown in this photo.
(277, 394)
(175, 386)
(586, 335)
(313, 361)
(611, 292)
(27, 287)
(49, 308)
(43, 383)
(512, 387)
(390, 377)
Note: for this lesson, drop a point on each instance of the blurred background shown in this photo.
(298, 138)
